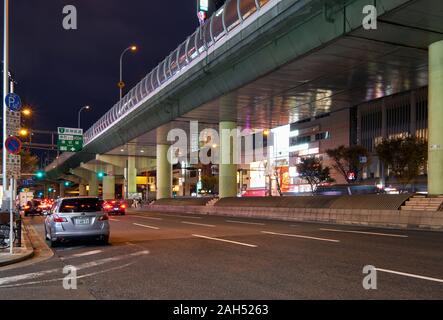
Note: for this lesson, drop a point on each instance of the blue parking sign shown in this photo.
(13, 102)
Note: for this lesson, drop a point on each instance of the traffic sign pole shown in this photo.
(5, 89)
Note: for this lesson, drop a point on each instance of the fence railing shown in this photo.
(221, 23)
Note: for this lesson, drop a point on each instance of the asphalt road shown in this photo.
(173, 256)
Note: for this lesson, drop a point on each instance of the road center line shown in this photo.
(300, 236)
(410, 275)
(145, 226)
(224, 240)
(365, 232)
(199, 224)
(244, 222)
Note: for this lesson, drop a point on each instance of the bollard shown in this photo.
(18, 225)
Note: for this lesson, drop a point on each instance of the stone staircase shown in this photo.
(422, 203)
(211, 202)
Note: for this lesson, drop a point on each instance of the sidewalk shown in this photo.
(26, 251)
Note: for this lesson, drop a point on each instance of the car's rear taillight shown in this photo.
(57, 218)
(123, 206)
(103, 217)
(27, 207)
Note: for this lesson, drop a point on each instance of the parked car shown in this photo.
(115, 207)
(33, 207)
(77, 218)
(347, 189)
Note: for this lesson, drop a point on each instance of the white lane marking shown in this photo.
(244, 222)
(61, 279)
(299, 236)
(365, 232)
(150, 218)
(113, 219)
(86, 265)
(224, 240)
(410, 275)
(87, 253)
(199, 224)
(145, 226)
(177, 216)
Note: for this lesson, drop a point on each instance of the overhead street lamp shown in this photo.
(79, 114)
(121, 84)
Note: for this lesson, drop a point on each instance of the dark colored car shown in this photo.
(33, 207)
(114, 207)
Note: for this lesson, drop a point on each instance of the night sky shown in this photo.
(58, 71)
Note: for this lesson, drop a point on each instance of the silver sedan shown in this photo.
(77, 218)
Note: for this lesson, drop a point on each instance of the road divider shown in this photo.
(224, 240)
(299, 236)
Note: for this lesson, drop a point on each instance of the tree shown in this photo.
(349, 161)
(405, 157)
(312, 170)
(209, 182)
(29, 162)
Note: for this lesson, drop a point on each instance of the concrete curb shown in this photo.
(28, 251)
(392, 219)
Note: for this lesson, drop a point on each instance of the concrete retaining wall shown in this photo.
(376, 218)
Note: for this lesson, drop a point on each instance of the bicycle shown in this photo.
(4, 236)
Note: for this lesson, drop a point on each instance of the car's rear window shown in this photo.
(81, 205)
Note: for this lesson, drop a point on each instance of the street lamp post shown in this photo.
(121, 83)
(79, 114)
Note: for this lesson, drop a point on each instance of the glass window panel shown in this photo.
(192, 52)
(149, 87)
(154, 79)
(173, 62)
(167, 70)
(161, 73)
(207, 33)
(247, 7)
(231, 15)
(217, 24)
(201, 40)
(182, 55)
(263, 2)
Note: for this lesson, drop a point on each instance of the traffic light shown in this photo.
(50, 189)
(40, 174)
(67, 183)
(101, 174)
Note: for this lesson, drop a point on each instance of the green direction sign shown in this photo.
(70, 139)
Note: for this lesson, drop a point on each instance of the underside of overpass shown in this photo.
(296, 60)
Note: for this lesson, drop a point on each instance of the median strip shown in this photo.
(199, 224)
(299, 236)
(224, 240)
(145, 226)
(365, 232)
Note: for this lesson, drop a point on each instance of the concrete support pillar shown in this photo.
(164, 172)
(227, 183)
(82, 190)
(131, 175)
(435, 119)
(93, 185)
(108, 188)
(62, 189)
